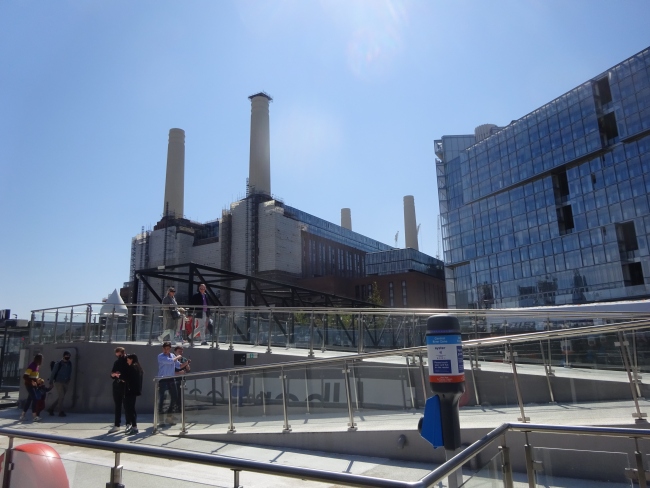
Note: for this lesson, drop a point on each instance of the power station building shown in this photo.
(260, 236)
(553, 208)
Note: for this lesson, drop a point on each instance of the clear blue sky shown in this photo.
(89, 90)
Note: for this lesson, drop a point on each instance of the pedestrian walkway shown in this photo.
(91, 468)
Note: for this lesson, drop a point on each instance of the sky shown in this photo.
(361, 89)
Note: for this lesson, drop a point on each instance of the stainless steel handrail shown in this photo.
(435, 476)
(492, 341)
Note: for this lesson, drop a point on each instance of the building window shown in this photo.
(404, 303)
(391, 294)
(633, 274)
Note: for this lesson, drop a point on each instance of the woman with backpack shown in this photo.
(30, 377)
(133, 380)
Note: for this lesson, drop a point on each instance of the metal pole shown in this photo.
(116, 474)
(215, 330)
(287, 427)
(71, 317)
(263, 397)
(156, 395)
(472, 370)
(89, 313)
(546, 369)
(109, 339)
(360, 339)
(640, 469)
(231, 320)
(56, 325)
(257, 333)
(307, 390)
(6, 479)
(268, 346)
(635, 368)
(236, 480)
(311, 336)
(622, 343)
(410, 383)
(231, 428)
(423, 375)
(183, 427)
(530, 466)
(322, 347)
(31, 328)
(149, 342)
(346, 376)
(523, 417)
(40, 337)
(506, 467)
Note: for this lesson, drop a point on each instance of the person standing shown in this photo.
(167, 362)
(119, 368)
(201, 302)
(132, 390)
(60, 379)
(170, 315)
(30, 377)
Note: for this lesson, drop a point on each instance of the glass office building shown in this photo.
(553, 208)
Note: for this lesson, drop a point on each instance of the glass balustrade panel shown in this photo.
(490, 475)
(573, 468)
(206, 403)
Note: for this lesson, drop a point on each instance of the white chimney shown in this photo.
(346, 218)
(259, 170)
(410, 227)
(175, 178)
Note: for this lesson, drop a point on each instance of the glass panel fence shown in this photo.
(572, 468)
(206, 402)
(490, 475)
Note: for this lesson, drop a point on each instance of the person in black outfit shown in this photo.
(118, 373)
(132, 390)
(201, 302)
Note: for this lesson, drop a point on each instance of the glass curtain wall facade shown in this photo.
(553, 209)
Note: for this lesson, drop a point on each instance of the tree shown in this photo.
(375, 296)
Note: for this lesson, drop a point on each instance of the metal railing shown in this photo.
(497, 440)
(403, 370)
(349, 330)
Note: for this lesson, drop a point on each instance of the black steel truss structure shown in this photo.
(258, 292)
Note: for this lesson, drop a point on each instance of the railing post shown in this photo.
(530, 463)
(410, 383)
(311, 336)
(156, 395)
(149, 342)
(348, 393)
(288, 331)
(325, 331)
(424, 375)
(473, 371)
(109, 330)
(268, 346)
(215, 333)
(546, 372)
(40, 336)
(9, 465)
(71, 318)
(116, 474)
(89, 314)
(31, 328)
(183, 425)
(56, 325)
(231, 333)
(307, 390)
(236, 479)
(506, 467)
(257, 328)
(231, 426)
(285, 411)
(360, 339)
(622, 343)
(511, 355)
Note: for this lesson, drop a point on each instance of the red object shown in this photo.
(38, 465)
